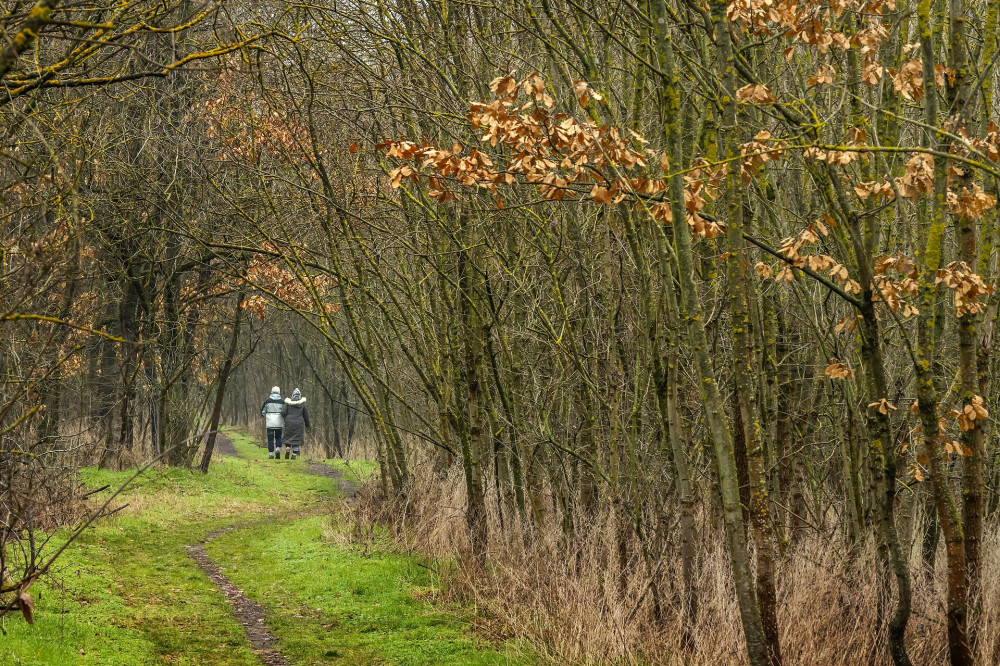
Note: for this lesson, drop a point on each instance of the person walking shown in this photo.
(274, 421)
(296, 417)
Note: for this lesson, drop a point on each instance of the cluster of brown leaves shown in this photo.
(824, 75)
(816, 24)
(847, 323)
(757, 153)
(265, 272)
(853, 151)
(792, 249)
(967, 286)
(700, 186)
(954, 447)
(801, 20)
(969, 203)
(249, 127)
(882, 406)
(966, 419)
(908, 80)
(969, 414)
(874, 188)
(30, 191)
(474, 169)
(554, 150)
(758, 94)
(988, 145)
(917, 178)
(839, 157)
(255, 304)
(892, 291)
(564, 156)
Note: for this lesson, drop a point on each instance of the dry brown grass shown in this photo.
(581, 605)
(33, 497)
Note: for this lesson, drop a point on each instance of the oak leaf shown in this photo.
(26, 605)
(882, 406)
(752, 93)
(824, 75)
(838, 371)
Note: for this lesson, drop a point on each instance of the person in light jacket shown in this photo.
(273, 421)
(296, 417)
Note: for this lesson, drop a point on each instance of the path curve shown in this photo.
(251, 614)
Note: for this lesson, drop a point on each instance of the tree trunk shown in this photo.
(220, 392)
(692, 316)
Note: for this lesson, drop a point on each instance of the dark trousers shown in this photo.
(273, 439)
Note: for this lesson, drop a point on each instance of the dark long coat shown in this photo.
(296, 419)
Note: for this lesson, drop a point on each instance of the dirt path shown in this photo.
(251, 614)
(224, 445)
(345, 486)
(248, 612)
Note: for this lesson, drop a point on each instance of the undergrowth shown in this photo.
(575, 600)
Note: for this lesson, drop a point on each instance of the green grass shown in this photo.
(333, 604)
(127, 593)
(357, 471)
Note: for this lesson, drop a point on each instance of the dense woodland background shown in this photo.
(670, 323)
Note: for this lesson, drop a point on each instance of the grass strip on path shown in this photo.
(330, 603)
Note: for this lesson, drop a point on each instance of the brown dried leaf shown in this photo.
(752, 93)
(26, 605)
(838, 371)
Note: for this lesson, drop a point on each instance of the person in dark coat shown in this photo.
(271, 411)
(296, 417)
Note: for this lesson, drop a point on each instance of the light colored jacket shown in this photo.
(271, 411)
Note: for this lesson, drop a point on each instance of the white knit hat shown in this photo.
(275, 389)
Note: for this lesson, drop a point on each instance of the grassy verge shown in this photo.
(356, 471)
(127, 593)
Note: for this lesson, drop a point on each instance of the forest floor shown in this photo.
(169, 578)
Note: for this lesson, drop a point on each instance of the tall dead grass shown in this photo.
(577, 602)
